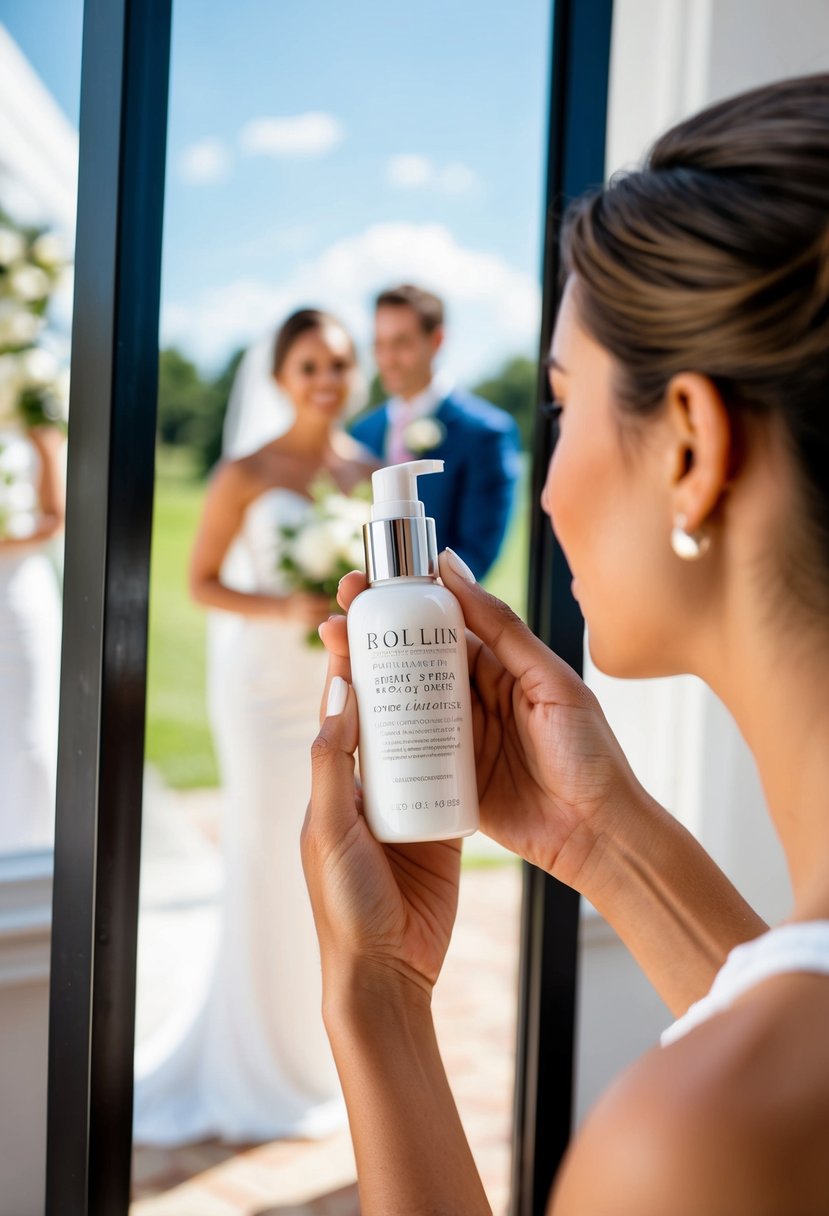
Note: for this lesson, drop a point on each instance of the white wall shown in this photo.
(669, 58)
(39, 148)
(25, 918)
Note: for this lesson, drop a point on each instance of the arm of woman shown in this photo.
(48, 443)
(228, 494)
(384, 916)
(679, 1132)
(556, 788)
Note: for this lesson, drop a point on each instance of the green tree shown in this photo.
(181, 395)
(206, 430)
(514, 389)
(191, 408)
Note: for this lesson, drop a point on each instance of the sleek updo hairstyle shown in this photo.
(714, 258)
(299, 323)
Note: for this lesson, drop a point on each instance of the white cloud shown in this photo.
(205, 161)
(493, 308)
(293, 239)
(409, 171)
(311, 134)
(457, 178)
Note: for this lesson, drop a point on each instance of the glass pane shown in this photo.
(40, 46)
(318, 155)
(40, 42)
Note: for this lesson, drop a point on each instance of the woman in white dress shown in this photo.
(30, 622)
(255, 1063)
(689, 489)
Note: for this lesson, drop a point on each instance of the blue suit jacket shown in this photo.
(470, 501)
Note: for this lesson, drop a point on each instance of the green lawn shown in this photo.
(178, 735)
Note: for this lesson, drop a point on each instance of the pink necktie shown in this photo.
(397, 450)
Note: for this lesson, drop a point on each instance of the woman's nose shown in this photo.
(544, 507)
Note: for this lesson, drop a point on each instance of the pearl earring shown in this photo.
(690, 546)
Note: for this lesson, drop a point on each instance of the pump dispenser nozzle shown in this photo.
(395, 489)
(400, 540)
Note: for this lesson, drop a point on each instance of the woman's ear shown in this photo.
(702, 446)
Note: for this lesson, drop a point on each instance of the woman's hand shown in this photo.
(552, 779)
(382, 911)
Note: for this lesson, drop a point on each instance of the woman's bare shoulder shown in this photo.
(357, 454)
(246, 477)
(731, 1119)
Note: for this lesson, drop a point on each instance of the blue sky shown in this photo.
(318, 151)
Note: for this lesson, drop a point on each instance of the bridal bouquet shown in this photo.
(18, 500)
(316, 552)
(34, 389)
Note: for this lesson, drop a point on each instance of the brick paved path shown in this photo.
(475, 1016)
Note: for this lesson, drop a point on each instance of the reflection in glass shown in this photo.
(374, 156)
(38, 171)
(39, 91)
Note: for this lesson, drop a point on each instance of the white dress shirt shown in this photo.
(423, 405)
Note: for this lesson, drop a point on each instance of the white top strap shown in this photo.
(801, 946)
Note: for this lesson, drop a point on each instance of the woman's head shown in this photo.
(696, 316)
(315, 363)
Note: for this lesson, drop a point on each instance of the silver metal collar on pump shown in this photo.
(400, 548)
(400, 541)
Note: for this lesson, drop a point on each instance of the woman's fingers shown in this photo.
(334, 636)
(339, 668)
(350, 587)
(333, 808)
(506, 635)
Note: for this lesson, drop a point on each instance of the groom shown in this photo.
(426, 417)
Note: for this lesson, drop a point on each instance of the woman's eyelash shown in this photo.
(552, 409)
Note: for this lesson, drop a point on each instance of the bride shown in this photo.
(254, 1063)
(29, 636)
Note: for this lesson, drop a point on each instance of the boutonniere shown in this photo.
(423, 435)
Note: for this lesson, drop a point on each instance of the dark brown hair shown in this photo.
(714, 258)
(302, 322)
(426, 304)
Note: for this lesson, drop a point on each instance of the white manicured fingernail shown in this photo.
(458, 565)
(337, 697)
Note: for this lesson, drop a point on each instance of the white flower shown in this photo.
(15, 462)
(355, 511)
(423, 435)
(38, 367)
(48, 252)
(12, 247)
(29, 283)
(315, 550)
(18, 326)
(61, 387)
(354, 553)
(18, 498)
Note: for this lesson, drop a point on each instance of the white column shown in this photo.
(25, 922)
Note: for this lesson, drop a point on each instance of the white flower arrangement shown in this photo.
(423, 435)
(315, 554)
(33, 386)
(18, 500)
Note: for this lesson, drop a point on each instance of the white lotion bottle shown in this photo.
(407, 640)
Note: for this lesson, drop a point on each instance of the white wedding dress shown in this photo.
(29, 671)
(253, 1062)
